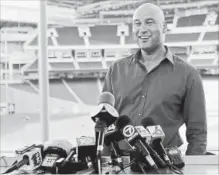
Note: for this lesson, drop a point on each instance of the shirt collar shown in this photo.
(137, 54)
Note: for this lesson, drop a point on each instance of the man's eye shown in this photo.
(137, 23)
(149, 22)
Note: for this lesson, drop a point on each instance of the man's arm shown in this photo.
(195, 115)
(107, 86)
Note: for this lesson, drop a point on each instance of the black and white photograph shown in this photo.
(109, 87)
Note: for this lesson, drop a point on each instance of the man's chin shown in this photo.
(146, 48)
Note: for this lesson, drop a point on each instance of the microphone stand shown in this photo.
(116, 155)
(100, 132)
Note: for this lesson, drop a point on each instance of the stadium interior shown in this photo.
(84, 38)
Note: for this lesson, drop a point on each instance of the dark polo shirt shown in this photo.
(171, 94)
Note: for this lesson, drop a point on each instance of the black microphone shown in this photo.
(112, 137)
(157, 138)
(68, 158)
(86, 151)
(135, 141)
(104, 115)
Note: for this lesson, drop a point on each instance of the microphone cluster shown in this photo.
(147, 153)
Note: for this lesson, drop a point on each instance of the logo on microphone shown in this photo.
(157, 131)
(128, 131)
(36, 158)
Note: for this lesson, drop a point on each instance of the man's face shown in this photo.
(148, 29)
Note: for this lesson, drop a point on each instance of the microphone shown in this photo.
(135, 141)
(28, 158)
(147, 136)
(111, 139)
(86, 151)
(104, 115)
(157, 137)
(55, 151)
(105, 110)
(64, 163)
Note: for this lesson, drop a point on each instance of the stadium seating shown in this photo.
(209, 36)
(180, 52)
(190, 21)
(129, 39)
(217, 20)
(23, 87)
(58, 90)
(90, 65)
(86, 89)
(105, 34)
(33, 66)
(2, 93)
(11, 47)
(201, 62)
(34, 42)
(182, 37)
(69, 36)
(62, 66)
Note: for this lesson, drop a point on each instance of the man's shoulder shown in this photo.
(123, 61)
(183, 64)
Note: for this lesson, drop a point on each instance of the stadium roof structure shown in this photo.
(71, 12)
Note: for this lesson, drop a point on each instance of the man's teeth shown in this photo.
(144, 37)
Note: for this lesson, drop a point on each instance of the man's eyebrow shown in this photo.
(136, 20)
(149, 19)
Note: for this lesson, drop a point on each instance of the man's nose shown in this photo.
(143, 28)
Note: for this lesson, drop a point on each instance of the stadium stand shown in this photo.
(201, 62)
(180, 51)
(35, 41)
(2, 93)
(78, 64)
(11, 47)
(182, 37)
(90, 65)
(129, 38)
(23, 87)
(217, 20)
(104, 34)
(209, 36)
(62, 66)
(193, 20)
(80, 87)
(58, 90)
(69, 36)
(64, 61)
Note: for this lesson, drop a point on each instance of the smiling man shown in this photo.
(156, 84)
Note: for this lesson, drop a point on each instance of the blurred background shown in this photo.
(84, 38)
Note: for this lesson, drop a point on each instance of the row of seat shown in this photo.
(107, 34)
(58, 90)
(104, 36)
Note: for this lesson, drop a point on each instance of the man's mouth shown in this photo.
(144, 37)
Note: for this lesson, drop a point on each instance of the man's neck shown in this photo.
(155, 55)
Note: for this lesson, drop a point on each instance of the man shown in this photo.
(157, 84)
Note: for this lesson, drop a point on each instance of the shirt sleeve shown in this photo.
(195, 115)
(107, 86)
